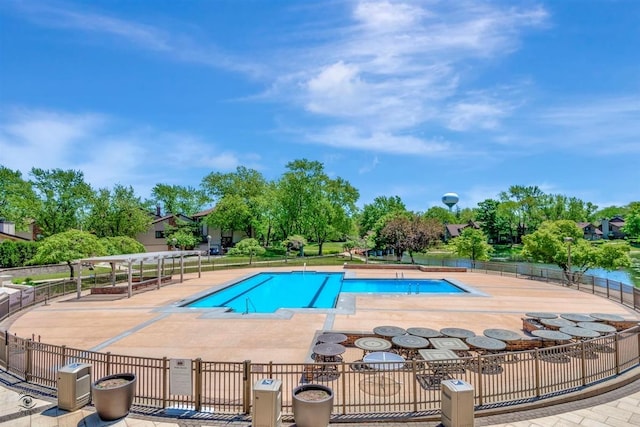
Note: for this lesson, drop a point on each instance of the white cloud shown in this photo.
(604, 126)
(385, 16)
(400, 66)
(171, 44)
(106, 150)
(380, 142)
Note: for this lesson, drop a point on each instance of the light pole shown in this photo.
(208, 248)
(569, 240)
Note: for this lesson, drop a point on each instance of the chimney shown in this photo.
(605, 228)
(158, 211)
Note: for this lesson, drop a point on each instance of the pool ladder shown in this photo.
(248, 302)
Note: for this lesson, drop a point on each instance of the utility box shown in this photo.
(457, 403)
(74, 386)
(267, 403)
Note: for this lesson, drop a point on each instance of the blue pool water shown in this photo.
(267, 292)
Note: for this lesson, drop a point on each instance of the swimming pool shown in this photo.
(268, 292)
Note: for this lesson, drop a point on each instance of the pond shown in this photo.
(629, 276)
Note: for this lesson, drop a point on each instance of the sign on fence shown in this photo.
(180, 379)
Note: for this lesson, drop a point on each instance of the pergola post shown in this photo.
(199, 265)
(130, 279)
(159, 273)
(113, 273)
(79, 280)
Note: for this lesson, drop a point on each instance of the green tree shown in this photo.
(445, 216)
(121, 245)
(250, 247)
(118, 213)
(63, 199)
(561, 243)
(409, 232)
(295, 242)
(313, 205)
(16, 254)
(17, 199)
(372, 213)
(490, 220)
(472, 243)
(68, 246)
(240, 200)
(526, 206)
(184, 234)
(632, 222)
(176, 199)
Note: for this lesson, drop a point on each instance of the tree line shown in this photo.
(303, 203)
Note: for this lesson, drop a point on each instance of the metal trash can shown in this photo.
(267, 403)
(74, 386)
(457, 403)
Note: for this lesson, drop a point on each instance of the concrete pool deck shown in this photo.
(142, 325)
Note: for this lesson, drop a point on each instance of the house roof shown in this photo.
(7, 236)
(168, 217)
(203, 213)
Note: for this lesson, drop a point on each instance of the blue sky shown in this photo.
(414, 98)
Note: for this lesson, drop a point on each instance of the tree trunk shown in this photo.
(320, 243)
(71, 269)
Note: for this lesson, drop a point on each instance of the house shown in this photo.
(8, 232)
(454, 230)
(612, 228)
(590, 231)
(154, 239)
(220, 239)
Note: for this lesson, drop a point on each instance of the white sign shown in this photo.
(180, 378)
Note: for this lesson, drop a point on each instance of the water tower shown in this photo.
(450, 199)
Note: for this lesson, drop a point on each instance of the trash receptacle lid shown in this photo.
(457, 385)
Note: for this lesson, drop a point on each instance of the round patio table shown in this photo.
(410, 341)
(329, 351)
(548, 334)
(486, 343)
(372, 344)
(388, 331)
(607, 317)
(383, 356)
(457, 333)
(502, 334)
(577, 317)
(603, 328)
(541, 315)
(579, 332)
(332, 337)
(424, 332)
(557, 323)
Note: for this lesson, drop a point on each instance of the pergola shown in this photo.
(129, 260)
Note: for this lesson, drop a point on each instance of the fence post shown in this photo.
(616, 347)
(27, 364)
(536, 365)
(63, 355)
(479, 376)
(198, 384)
(164, 382)
(414, 384)
(246, 382)
(583, 364)
(108, 364)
